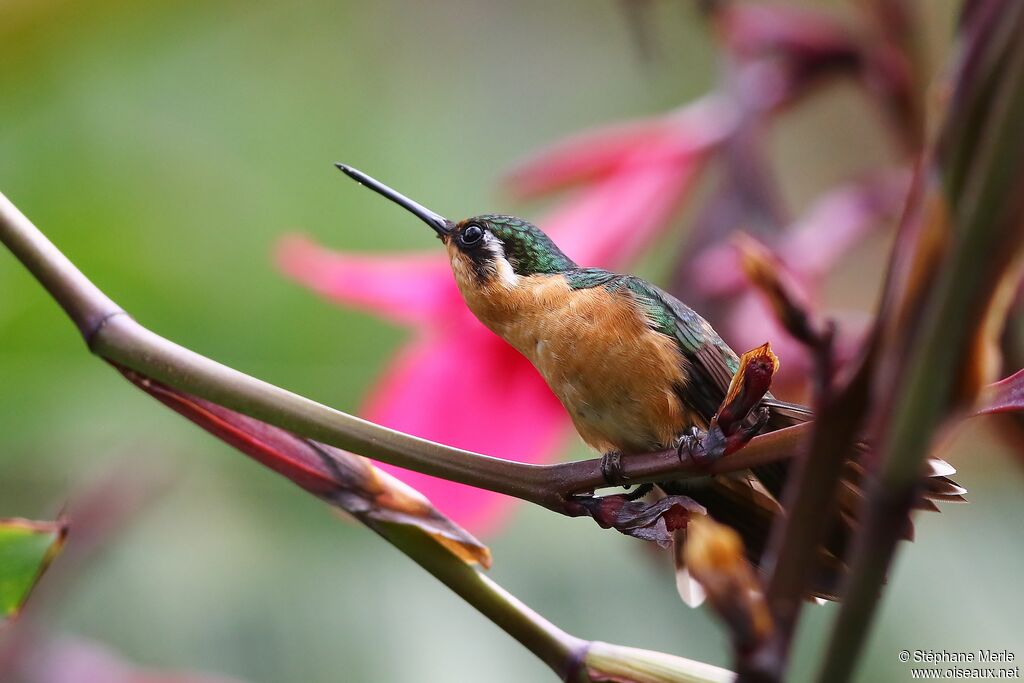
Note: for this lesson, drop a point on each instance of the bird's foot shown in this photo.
(690, 444)
(640, 492)
(763, 415)
(703, 448)
(611, 468)
(745, 433)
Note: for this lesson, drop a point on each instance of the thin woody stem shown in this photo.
(561, 651)
(112, 334)
(810, 500)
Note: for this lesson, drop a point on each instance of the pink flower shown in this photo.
(784, 50)
(456, 382)
(809, 249)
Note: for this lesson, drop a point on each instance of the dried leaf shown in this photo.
(26, 549)
(347, 481)
(730, 429)
(985, 357)
(647, 521)
(769, 274)
(714, 556)
(1005, 396)
(749, 385)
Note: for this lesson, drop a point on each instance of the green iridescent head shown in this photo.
(496, 246)
(490, 238)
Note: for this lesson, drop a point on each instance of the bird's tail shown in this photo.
(750, 504)
(937, 483)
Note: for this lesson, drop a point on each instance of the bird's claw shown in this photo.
(748, 432)
(611, 469)
(763, 415)
(691, 443)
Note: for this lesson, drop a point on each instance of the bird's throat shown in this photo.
(512, 308)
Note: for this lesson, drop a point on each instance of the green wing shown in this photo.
(711, 363)
(588, 278)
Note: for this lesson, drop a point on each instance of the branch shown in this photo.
(408, 521)
(112, 334)
(575, 660)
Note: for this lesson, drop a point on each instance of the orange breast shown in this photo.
(615, 376)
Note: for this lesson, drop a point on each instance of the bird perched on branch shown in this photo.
(636, 369)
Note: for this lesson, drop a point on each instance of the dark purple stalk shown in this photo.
(975, 229)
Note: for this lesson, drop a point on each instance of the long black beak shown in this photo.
(439, 223)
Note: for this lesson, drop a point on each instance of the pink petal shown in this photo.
(467, 388)
(716, 271)
(407, 288)
(752, 29)
(751, 322)
(583, 157)
(840, 220)
(593, 154)
(611, 222)
(812, 246)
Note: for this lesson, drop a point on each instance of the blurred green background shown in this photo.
(165, 146)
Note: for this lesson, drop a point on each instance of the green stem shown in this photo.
(563, 652)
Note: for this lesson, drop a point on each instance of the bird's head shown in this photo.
(484, 251)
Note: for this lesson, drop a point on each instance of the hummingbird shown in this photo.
(636, 369)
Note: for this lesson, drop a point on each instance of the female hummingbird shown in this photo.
(636, 369)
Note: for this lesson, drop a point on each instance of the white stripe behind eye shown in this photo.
(506, 274)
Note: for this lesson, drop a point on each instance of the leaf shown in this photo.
(26, 550)
(730, 429)
(1005, 396)
(769, 274)
(349, 482)
(647, 521)
(714, 556)
(748, 386)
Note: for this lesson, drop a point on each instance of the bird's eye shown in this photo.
(472, 234)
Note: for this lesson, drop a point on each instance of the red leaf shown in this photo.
(647, 521)
(345, 480)
(1005, 396)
